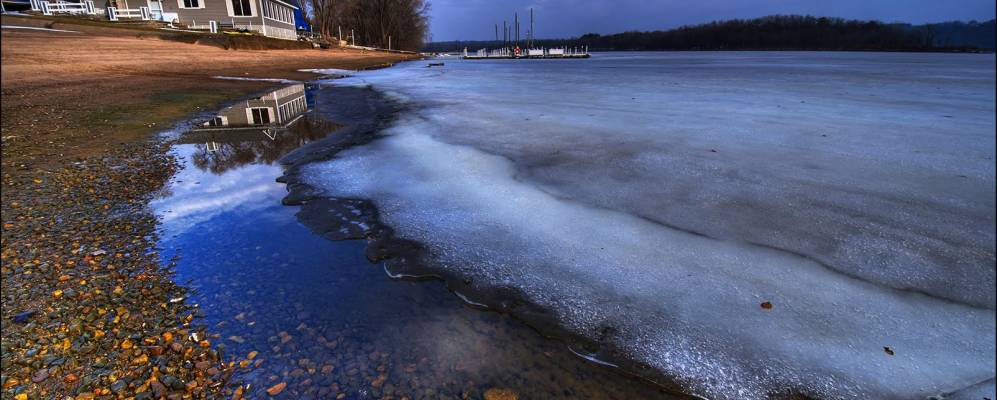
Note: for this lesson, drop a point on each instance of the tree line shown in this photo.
(779, 32)
(402, 24)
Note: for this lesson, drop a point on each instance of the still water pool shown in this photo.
(320, 317)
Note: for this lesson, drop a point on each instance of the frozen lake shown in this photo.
(654, 202)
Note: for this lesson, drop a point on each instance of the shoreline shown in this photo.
(405, 260)
(88, 310)
(530, 363)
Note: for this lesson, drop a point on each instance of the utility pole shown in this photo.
(389, 42)
(496, 32)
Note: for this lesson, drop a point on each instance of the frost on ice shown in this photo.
(669, 195)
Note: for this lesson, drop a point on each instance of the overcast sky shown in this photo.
(475, 19)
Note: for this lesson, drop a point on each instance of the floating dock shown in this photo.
(515, 53)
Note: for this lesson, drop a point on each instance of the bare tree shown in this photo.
(405, 23)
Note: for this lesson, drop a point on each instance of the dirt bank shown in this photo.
(88, 309)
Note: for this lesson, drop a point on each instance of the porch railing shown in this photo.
(115, 14)
(63, 7)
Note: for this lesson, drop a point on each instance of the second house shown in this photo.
(272, 18)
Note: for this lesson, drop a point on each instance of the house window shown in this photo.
(242, 8)
(217, 121)
(261, 115)
(190, 3)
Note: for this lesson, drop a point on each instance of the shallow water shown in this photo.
(654, 203)
(323, 318)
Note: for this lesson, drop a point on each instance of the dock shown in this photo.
(515, 53)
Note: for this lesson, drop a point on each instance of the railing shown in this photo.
(293, 90)
(499, 53)
(265, 30)
(269, 31)
(291, 108)
(63, 7)
(114, 13)
(279, 33)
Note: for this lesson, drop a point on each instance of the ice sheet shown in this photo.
(667, 195)
(330, 71)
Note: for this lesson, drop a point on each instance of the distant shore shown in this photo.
(774, 33)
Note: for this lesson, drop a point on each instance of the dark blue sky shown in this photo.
(475, 19)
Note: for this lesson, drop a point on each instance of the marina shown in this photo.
(510, 48)
(517, 53)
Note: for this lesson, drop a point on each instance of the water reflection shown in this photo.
(321, 317)
(258, 130)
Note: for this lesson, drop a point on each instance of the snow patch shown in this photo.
(239, 78)
(34, 28)
(329, 71)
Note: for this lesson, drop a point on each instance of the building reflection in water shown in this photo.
(257, 130)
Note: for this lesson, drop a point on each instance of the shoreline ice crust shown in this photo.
(665, 196)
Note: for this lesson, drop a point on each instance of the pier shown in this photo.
(510, 49)
(514, 53)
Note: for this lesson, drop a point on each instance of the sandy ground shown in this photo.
(127, 74)
(87, 308)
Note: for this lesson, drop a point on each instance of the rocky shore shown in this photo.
(89, 311)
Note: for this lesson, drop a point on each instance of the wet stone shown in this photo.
(172, 382)
(23, 317)
(118, 386)
(40, 376)
(158, 389)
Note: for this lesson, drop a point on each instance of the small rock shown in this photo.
(118, 386)
(23, 317)
(158, 389)
(171, 382)
(40, 376)
(276, 389)
(501, 394)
